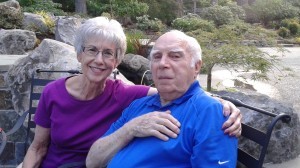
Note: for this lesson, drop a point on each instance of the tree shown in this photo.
(224, 47)
(80, 6)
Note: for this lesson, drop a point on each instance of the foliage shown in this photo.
(49, 22)
(166, 11)
(10, 18)
(291, 24)
(192, 22)
(117, 8)
(147, 24)
(223, 47)
(220, 15)
(34, 6)
(138, 43)
(105, 14)
(283, 32)
(272, 10)
(237, 11)
(133, 43)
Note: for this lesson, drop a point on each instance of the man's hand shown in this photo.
(233, 125)
(159, 124)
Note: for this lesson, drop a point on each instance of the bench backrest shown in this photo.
(37, 85)
(261, 138)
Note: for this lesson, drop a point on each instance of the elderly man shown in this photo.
(185, 130)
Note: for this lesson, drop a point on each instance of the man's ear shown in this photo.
(198, 65)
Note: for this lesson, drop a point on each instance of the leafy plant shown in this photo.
(34, 6)
(220, 15)
(138, 43)
(283, 32)
(192, 22)
(147, 24)
(272, 10)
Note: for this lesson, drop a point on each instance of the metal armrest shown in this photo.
(18, 124)
(4, 140)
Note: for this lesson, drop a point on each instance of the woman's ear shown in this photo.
(79, 57)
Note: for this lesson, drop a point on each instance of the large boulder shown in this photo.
(136, 69)
(11, 15)
(51, 55)
(16, 41)
(66, 28)
(285, 139)
(35, 22)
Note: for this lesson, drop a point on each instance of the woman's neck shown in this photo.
(81, 88)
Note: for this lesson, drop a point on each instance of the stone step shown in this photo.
(8, 60)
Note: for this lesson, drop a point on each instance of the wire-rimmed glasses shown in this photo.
(92, 51)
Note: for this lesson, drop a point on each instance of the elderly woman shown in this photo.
(69, 122)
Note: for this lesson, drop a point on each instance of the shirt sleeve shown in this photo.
(212, 147)
(42, 114)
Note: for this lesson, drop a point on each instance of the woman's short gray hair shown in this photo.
(104, 29)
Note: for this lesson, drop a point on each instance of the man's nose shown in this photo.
(164, 61)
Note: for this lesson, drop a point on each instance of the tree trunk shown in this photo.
(209, 78)
(195, 6)
(80, 6)
(180, 8)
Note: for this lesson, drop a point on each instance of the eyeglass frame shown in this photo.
(104, 55)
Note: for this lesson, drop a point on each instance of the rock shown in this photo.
(284, 142)
(49, 55)
(16, 41)
(35, 22)
(11, 15)
(66, 28)
(136, 69)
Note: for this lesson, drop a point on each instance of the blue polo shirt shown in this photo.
(201, 141)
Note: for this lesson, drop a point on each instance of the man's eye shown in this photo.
(156, 57)
(175, 56)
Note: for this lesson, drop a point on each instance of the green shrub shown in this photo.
(144, 23)
(166, 11)
(297, 40)
(237, 11)
(50, 23)
(220, 15)
(291, 24)
(276, 10)
(192, 22)
(294, 28)
(34, 6)
(105, 14)
(10, 18)
(283, 32)
(132, 38)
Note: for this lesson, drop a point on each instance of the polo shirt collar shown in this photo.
(195, 88)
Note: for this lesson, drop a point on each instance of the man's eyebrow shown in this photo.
(177, 51)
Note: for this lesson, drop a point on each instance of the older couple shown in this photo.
(69, 123)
